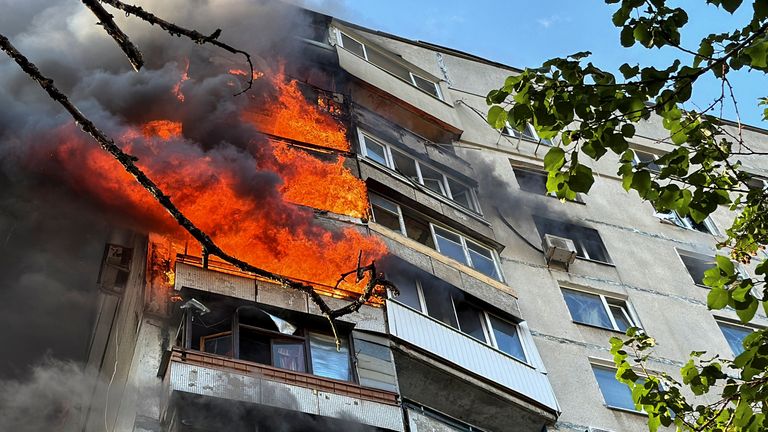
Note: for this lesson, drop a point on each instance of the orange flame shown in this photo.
(184, 77)
(165, 129)
(256, 74)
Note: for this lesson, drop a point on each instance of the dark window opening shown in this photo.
(696, 266)
(531, 181)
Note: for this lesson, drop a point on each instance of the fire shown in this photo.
(256, 74)
(184, 77)
(292, 117)
(323, 185)
(164, 129)
(245, 201)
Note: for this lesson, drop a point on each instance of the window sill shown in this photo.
(595, 261)
(423, 189)
(626, 410)
(598, 327)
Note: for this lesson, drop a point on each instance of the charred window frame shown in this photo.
(598, 310)
(115, 268)
(589, 244)
(414, 170)
(449, 243)
(388, 63)
(528, 133)
(468, 316)
(252, 334)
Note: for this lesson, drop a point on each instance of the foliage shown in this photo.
(593, 112)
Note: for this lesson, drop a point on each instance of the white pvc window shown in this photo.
(673, 217)
(598, 310)
(528, 133)
(448, 243)
(414, 170)
(646, 158)
(387, 62)
(735, 335)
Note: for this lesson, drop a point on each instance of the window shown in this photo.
(616, 394)
(735, 335)
(528, 133)
(535, 181)
(707, 226)
(696, 264)
(598, 310)
(647, 158)
(448, 243)
(588, 243)
(416, 171)
(253, 334)
(451, 306)
(389, 63)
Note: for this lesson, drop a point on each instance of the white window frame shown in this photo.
(727, 322)
(444, 184)
(607, 404)
(636, 160)
(711, 258)
(485, 322)
(465, 249)
(673, 217)
(463, 240)
(607, 302)
(339, 41)
(508, 130)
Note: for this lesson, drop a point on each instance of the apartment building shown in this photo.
(490, 331)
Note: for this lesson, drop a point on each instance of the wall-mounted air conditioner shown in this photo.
(558, 250)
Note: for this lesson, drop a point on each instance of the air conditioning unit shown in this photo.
(558, 249)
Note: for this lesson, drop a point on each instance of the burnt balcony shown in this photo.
(194, 377)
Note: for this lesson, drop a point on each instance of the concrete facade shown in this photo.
(434, 376)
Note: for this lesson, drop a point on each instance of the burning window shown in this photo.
(390, 63)
(588, 243)
(418, 172)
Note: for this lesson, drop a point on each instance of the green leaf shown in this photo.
(554, 159)
(746, 310)
(627, 36)
(641, 182)
(497, 117)
(725, 265)
(628, 130)
(717, 298)
(758, 54)
(731, 5)
(581, 179)
(761, 9)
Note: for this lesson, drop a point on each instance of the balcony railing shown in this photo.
(464, 351)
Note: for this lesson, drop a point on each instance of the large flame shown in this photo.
(244, 214)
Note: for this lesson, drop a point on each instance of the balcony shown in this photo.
(486, 364)
(219, 378)
(426, 104)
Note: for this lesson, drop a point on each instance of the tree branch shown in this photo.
(125, 44)
(176, 30)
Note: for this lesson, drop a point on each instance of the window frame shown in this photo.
(606, 403)
(485, 322)
(444, 183)
(636, 160)
(577, 241)
(438, 94)
(606, 301)
(672, 217)
(537, 172)
(509, 131)
(721, 322)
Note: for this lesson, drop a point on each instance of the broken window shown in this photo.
(431, 178)
(735, 335)
(649, 159)
(588, 243)
(598, 310)
(696, 264)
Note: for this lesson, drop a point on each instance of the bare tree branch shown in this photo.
(208, 245)
(176, 30)
(125, 44)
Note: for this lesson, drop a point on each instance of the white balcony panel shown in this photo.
(463, 351)
(379, 78)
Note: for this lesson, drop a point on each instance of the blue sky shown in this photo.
(527, 32)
